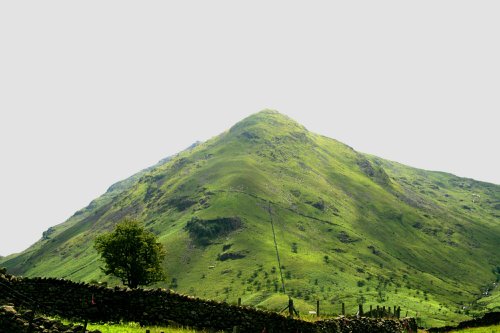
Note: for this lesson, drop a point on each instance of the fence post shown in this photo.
(343, 309)
(239, 301)
(371, 312)
(378, 312)
(399, 312)
(383, 311)
(317, 308)
(360, 310)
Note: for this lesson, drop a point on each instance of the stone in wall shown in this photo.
(11, 321)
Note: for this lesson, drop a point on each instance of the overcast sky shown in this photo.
(94, 91)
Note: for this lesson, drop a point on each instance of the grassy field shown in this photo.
(350, 228)
(136, 328)
(489, 329)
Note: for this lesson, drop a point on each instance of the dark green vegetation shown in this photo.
(132, 254)
(350, 227)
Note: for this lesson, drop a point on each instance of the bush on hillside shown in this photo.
(204, 231)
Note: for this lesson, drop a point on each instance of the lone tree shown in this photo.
(132, 254)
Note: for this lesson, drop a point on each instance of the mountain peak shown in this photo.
(267, 112)
(267, 120)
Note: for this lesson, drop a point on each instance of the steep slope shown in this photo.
(350, 227)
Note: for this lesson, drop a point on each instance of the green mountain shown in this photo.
(350, 227)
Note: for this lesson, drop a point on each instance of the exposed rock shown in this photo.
(376, 173)
(374, 250)
(231, 255)
(181, 203)
(249, 135)
(345, 238)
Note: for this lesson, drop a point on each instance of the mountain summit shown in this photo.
(350, 227)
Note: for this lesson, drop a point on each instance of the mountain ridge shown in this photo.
(349, 225)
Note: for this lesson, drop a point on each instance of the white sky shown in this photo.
(93, 91)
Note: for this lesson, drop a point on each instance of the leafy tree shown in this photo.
(132, 254)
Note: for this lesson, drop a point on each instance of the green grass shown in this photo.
(488, 329)
(136, 328)
(417, 239)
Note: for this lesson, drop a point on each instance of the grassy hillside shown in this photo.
(350, 227)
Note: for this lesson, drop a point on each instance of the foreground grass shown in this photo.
(489, 329)
(136, 328)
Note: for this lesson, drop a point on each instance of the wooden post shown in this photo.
(383, 311)
(378, 312)
(360, 310)
(399, 312)
(389, 311)
(371, 310)
(317, 308)
(343, 309)
(290, 308)
(239, 301)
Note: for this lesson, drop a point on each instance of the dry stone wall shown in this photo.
(13, 322)
(80, 301)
